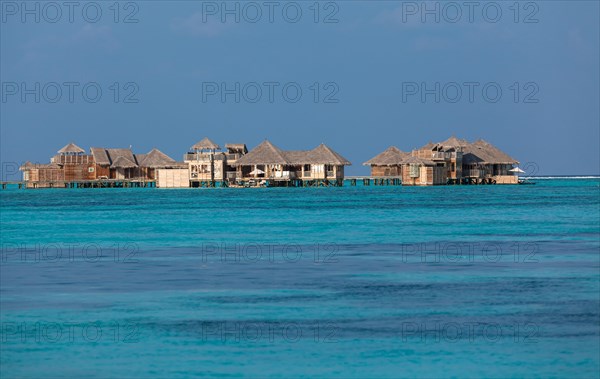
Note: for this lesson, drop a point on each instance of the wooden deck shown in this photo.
(145, 183)
(376, 180)
(102, 183)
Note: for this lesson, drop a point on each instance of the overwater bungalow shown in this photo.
(115, 163)
(76, 165)
(72, 164)
(269, 165)
(152, 161)
(418, 171)
(388, 163)
(37, 175)
(69, 164)
(234, 152)
(448, 152)
(158, 166)
(464, 162)
(453, 161)
(206, 163)
(483, 161)
(477, 162)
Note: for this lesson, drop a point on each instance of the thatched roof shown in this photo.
(454, 142)
(100, 155)
(297, 157)
(26, 166)
(267, 153)
(206, 144)
(417, 160)
(139, 158)
(121, 158)
(237, 147)
(498, 155)
(115, 158)
(484, 152)
(429, 146)
(155, 159)
(391, 156)
(71, 149)
(323, 154)
(448, 145)
(122, 162)
(477, 152)
(30, 166)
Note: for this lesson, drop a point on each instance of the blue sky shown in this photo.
(369, 62)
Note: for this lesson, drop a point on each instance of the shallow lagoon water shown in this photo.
(462, 281)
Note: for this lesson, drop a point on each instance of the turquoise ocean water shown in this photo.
(461, 281)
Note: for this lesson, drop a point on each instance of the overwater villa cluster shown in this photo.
(454, 161)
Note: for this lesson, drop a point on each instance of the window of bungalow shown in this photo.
(414, 170)
(194, 171)
(306, 167)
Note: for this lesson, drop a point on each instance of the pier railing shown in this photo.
(443, 155)
(202, 157)
(231, 157)
(72, 159)
(98, 183)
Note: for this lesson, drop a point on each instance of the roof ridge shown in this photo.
(71, 148)
(205, 143)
